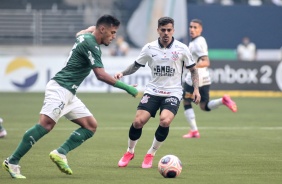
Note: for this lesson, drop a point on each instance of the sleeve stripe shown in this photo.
(190, 66)
(139, 64)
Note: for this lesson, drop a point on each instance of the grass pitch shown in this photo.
(234, 148)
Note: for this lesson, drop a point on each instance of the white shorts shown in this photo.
(60, 102)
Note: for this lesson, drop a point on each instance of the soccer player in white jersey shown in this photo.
(199, 49)
(61, 100)
(167, 58)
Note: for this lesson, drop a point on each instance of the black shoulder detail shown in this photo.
(191, 65)
(139, 65)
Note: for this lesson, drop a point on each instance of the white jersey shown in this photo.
(167, 65)
(198, 47)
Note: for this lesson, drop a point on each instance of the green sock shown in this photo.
(30, 137)
(76, 139)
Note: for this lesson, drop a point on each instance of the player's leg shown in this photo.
(135, 133)
(215, 103)
(168, 110)
(30, 137)
(79, 114)
(49, 115)
(147, 108)
(189, 112)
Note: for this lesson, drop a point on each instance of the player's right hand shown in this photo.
(118, 76)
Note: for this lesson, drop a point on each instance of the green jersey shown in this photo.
(84, 56)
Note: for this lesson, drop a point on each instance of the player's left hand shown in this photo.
(196, 96)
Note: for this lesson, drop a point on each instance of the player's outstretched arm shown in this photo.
(105, 77)
(128, 71)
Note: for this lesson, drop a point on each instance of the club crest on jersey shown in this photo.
(145, 99)
(56, 112)
(175, 56)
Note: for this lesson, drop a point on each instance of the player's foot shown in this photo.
(192, 134)
(13, 170)
(123, 162)
(226, 100)
(61, 161)
(148, 161)
(3, 132)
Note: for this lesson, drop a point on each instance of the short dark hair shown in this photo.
(165, 20)
(197, 21)
(108, 20)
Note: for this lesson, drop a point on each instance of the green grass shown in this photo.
(234, 148)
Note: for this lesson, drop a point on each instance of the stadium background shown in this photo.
(243, 147)
(36, 37)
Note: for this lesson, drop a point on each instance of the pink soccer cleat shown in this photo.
(123, 162)
(148, 161)
(192, 134)
(226, 100)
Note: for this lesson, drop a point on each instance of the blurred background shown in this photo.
(35, 34)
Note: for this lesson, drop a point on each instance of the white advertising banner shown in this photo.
(30, 74)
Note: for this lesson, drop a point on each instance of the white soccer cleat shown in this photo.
(13, 170)
(3, 132)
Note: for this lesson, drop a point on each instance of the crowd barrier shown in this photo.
(30, 74)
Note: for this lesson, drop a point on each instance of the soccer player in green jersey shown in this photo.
(61, 100)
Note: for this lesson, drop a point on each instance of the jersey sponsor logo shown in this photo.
(161, 91)
(145, 99)
(90, 57)
(171, 100)
(175, 56)
(164, 71)
(153, 55)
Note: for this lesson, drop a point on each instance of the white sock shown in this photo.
(155, 146)
(213, 104)
(131, 145)
(191, 118)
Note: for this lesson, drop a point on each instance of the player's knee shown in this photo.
(204, 107)
(46, 122)
(92, 128)
(139, 123)
(165, 121)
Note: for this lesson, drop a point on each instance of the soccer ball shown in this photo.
(170, 166)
